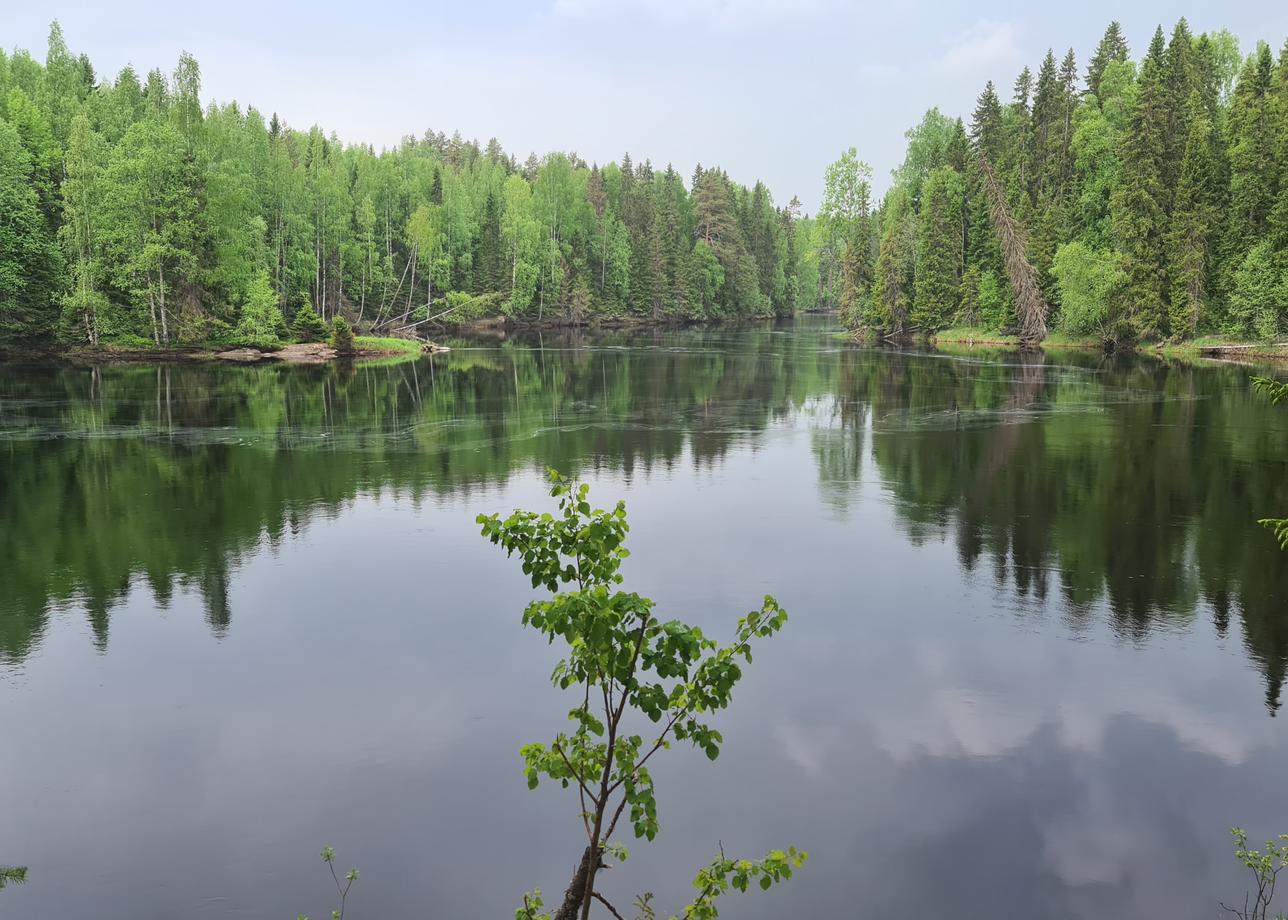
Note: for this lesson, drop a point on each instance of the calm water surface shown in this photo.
(1033, 668)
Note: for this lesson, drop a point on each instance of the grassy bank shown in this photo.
(1213, 347)
(387, 345)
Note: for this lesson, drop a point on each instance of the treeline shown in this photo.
(1146, 201)
(133, 215)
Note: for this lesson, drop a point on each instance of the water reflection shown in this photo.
(1032, 624)
(1130, 481)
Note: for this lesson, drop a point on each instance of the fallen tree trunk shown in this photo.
(1030, 306)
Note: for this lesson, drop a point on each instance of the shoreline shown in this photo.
(368, 347)
(1204, 347)
(291, 353)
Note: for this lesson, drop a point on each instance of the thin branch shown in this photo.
(571, 769)
(611, 909)
(617, 814)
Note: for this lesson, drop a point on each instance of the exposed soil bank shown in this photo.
(300, 353)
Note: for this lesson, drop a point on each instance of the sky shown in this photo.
(767, 89)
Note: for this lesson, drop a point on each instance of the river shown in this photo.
(1034, 664)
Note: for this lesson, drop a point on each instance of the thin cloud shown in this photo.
(722, 13)
(984, 47)
(880, 74)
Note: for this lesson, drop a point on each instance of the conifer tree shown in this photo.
(1194, 216)
(341, 336)
(1253, 158)
(28, 258)
(1140, 217)
(307, 326)
(1180, 80)
(939, 250)
(1112, 47)
(892, 286)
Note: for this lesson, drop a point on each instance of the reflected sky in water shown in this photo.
(1033, 664)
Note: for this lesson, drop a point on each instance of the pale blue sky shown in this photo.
(770, 89)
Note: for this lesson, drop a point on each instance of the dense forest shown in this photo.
(133, 215)
(1138, 201)
(1135, 201)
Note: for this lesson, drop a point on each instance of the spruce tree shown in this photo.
(1253, 161)
(986, 123)
(1140, 219)
(28, 258)
(1112, 47)
(1180, 82)
(342, 336)
(307, 326)
(939, 251)
(1189, 239)
(1048, 120)
(892, 286)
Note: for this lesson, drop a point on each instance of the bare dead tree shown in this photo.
(1030, 306)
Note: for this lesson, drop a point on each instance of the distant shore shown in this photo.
(1203, 347)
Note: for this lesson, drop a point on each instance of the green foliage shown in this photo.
(12, 875)
(307, 326)
(466, 306)
(723, 874)
(167, 213)
(342, 884)
(1090, 282)
(261, 319)
(28, 259)
(1257, 295)
(1265, 866)
(625, 664)
(342, 336)
(939, 250)
(1162, 183)
(1277, 392)
(995, 302)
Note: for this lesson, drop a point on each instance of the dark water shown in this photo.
(1036, 651)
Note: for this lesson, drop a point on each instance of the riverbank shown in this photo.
(1210, 347)
(365, 347)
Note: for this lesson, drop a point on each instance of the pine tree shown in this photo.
(1140, 218)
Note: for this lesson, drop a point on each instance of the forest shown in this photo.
(135, 216)
(1138, 201)
(1135, 201)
